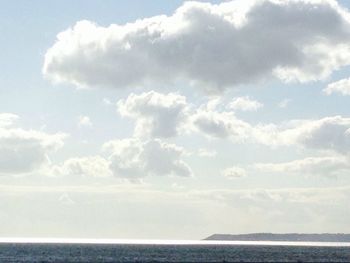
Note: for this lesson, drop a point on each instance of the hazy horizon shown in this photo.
(173, 120)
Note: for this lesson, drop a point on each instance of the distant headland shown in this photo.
(292, 237)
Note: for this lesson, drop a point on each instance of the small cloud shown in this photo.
(84, 121)
(244, 104)
(213, 103)
(65, 199)
(220, 124)
(107, 101)
(91, 166)
(284, 103)
(206, 153)
(341, 86)
(234, 172)
(7, 119)
(176, 186)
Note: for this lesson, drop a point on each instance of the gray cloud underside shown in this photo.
(158, 113)
(137, 158)
(168, 115)
(215, 46)
(132, 158)
(329, 133)
(24, 151)
(155, 114)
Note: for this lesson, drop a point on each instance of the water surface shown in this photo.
(54, 252)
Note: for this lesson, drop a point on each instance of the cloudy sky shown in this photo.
(174, 120)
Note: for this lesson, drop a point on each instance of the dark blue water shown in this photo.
(169, 253)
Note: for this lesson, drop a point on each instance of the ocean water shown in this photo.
(17, 252)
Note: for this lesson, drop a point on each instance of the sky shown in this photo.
(174, 119)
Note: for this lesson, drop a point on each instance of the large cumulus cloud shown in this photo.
(216, 46)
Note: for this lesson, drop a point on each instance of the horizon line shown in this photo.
(107, 241)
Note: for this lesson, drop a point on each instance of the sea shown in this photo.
(55, 251)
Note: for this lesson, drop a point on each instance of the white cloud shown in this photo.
(65, 199)
(341, 86)
(7, 119)
(130, 159)
(284, 103)
(177, 187)
(24, 151)
(244, 104)
(134, 159)
(216, 46)
(84, 121)
(329, 134)
(234, 172)
(207, 153)
(220, 124)
(325, 166)
(156, 114)
(93, 166)
(167, 115)
(107, 101)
